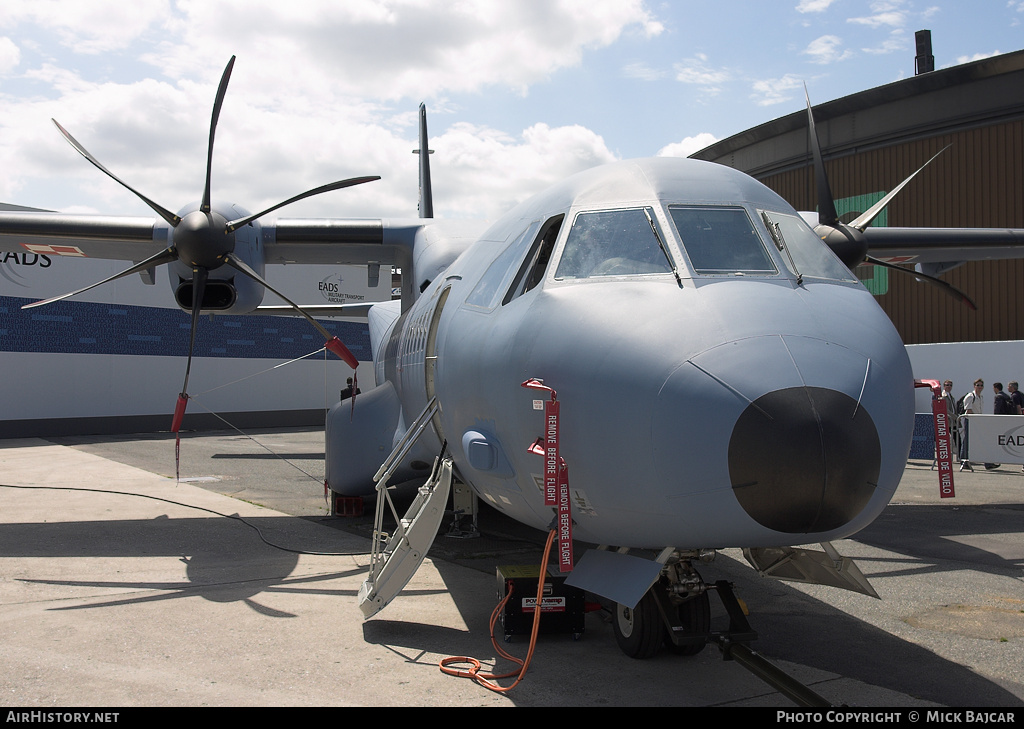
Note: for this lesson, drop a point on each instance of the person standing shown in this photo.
(1002, 403)
(1016, 396)
(348, 390)
(954, 426)
(974, 402)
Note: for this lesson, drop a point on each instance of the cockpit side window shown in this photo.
(534, 266)
(721, 241)
(807, 255)
(613, 243)
(493, 284)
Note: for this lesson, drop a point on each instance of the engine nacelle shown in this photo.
(228, 290)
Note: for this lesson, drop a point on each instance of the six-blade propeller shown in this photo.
(204, 241)
(847, 240)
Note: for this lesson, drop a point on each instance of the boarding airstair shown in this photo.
(395, 557)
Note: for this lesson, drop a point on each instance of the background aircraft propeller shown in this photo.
(847, 240)
(204, 240)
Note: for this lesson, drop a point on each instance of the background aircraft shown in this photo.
(769, 402)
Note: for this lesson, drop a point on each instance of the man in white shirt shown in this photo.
(974, 402)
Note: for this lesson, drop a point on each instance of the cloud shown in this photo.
(92, 27)
(976, 57)
(403, 48)
(884, 13)
(642, 71)
(769, 92)
(813, 6)
(10, 56)
(688, 146)
(897, 41)
(826, 49)
(321, 91)
(540, 156)
(697, 71)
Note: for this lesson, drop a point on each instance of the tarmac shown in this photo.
(122, 585)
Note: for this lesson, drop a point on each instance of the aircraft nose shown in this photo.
(804, 459)
(784, 422)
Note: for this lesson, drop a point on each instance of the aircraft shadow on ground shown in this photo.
(930, 534)
(795, 627)
(225, 560)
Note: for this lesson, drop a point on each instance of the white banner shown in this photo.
(995, 438)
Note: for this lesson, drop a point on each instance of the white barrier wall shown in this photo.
(963, 363)
(995, 438)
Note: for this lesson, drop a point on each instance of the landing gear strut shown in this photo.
(676, 612)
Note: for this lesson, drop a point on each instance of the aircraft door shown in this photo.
(430, 357)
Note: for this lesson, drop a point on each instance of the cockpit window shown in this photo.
(613, 243)
(807, 254)
(721, 241)
(532, 271)
(499, 274)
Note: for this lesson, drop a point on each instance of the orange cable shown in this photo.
(486, 679)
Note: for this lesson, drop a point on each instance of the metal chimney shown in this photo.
(925, 61)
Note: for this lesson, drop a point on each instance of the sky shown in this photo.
(520, 93)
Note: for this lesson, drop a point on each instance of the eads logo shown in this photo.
(334, 293)
(1012, 439)
(330, 287)
(26, 259)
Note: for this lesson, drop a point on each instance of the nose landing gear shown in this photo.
(676, 612)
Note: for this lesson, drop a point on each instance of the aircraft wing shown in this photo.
(339, 241)
(314, 241)
(943, 245)
(83, 236)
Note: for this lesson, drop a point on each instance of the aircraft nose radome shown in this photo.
(804, 459)
(782, 430)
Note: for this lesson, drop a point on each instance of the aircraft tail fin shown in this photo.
(426, 194)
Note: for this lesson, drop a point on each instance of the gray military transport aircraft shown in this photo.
(670, 330)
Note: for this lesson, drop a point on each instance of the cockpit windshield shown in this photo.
(721, 241)
(613, 243)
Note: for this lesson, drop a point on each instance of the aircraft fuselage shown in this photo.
(749, 397)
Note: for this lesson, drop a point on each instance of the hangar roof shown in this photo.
(973, 94)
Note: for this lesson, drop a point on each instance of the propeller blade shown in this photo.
(236, 224)
(333, 343)
(865, 218)
(164, 213)
(217, 104)
(943, 286)
(826, 204)
(164, 256)
(199, 276)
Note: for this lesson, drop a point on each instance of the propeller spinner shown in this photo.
(204, 241)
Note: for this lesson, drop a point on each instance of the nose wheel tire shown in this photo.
(639, 631)
(695, 616)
